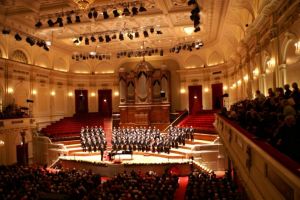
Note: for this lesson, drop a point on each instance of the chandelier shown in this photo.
(83, 4)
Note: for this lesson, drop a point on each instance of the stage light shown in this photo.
(50, 23)
(77, 19)
(146, 34)
(69, 20)
(38, 24)
(93, 39)
(39, 43)
(126, 12)
(46, 47)
(48, 43)
(121, 36)
(116, 13)
(151, 30)
(134, 10)
(105, 15)
(142, 9)
(76, 41)
(86, 41)
(114, 36)
(161, 53)
(107, 38)
(137, 35)
(18, 37)
(30, 41)
(100, 38)
(159, 32)
(80, 38)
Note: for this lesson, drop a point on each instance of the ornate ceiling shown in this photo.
(223, 23)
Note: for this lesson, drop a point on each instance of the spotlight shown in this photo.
(191, 2)
(69, 20)
(134, 10)
(46, 48)
(126, 12)
(100, 38)
(121, 36)
(5, 31)
(39, 43)
(50, 23)
(90, 15)
(93, 39)
(146, 34)
(151, 30)
(196, 23)
(137, 35)
(95, 14)
(105, 15)
(107, 38)
(38, 24)
(76, 41)
(77, 19)
(116, 13)
(80, 38)
(59, 20)
(142, 9)
(18, 37)
(114, 36)
(87, 41)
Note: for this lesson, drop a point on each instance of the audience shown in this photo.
(275, 118)
(203, 185)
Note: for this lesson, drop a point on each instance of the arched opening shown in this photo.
(19, 56)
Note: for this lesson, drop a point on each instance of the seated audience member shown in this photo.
(296, 96)
(259, 96)
(288, 92)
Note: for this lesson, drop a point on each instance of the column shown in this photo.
(282, 74)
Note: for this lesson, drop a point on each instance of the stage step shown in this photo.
(204, 136)
(68, 142)
(161, 155)
(196, 141)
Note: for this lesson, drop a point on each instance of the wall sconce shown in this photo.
(297, 48)
(225, 87)
(10, 90)
(34, 92)
(234, 85)
(53, 93)
(182, 91)
(206, 89)
(195, 97)
(256, 72)
(70, 94)
(2, 143)
(93, 94)
(104, 100)
(246, 78)
(271, 63)
(239, 82)
(116, 93)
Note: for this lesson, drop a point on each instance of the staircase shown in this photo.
(202, 122)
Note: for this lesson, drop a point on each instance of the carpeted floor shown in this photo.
(180, 192)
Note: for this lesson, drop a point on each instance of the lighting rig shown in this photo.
(195, 14)
(187, 46)
(114, 35)
(113, 10)
(89, 56)
(141, 52)
(31, 40)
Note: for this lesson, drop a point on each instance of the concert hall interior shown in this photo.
(150, 99)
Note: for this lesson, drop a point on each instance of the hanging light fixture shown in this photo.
(83, 4)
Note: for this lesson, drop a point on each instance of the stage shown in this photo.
(127, 162)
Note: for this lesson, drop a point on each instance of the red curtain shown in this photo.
(105, 102)
(195, 99)
(217, 92)
(81, 101)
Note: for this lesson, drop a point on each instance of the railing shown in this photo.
(266, 173)
(177, 120)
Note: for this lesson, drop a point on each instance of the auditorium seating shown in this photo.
(201, 122)
(69, 127)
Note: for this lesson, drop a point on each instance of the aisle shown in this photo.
(180, 192)
(107, 126)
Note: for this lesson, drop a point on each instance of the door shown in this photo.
(105, 102)
(195, 99)
(22, 154)
(217, 93)
(81, 101)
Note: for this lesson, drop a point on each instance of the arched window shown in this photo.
(19, 56)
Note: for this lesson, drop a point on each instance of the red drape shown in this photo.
(195, 99)
(217, 92)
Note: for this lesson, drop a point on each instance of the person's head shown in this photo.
(279, 91)
(286, 86)
(257, 92)
(295, 86)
